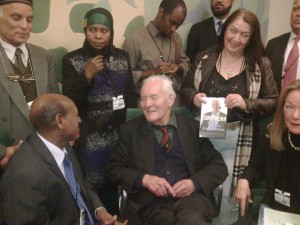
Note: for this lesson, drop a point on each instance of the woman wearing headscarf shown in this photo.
(97, 77)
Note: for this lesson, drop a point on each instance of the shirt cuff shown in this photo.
(97, 209)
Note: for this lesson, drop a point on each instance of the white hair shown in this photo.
(166, 81)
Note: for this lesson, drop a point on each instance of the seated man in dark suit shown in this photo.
(43, 183)
(167, 170)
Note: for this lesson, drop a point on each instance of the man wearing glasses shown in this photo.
(26, 71)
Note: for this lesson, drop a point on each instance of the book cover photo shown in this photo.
(213, 118)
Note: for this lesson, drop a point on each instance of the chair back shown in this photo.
(135, 112)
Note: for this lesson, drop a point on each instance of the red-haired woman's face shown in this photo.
(237, 36)
(292, 111)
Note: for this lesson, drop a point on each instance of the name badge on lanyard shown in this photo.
(82, 216)
(118, 102)
(282, 197)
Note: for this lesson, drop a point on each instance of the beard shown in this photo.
(220, 13)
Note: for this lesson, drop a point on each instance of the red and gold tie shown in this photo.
(166, 142)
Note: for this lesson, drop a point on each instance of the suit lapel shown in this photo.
(146, 147)
(211, 31)
(39, 64)
(280, 51)
(12, 88)
(41, 149)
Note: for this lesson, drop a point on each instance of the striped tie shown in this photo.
(19, 62)
(220, 24)
(70, 177)
(166, 142)
(291, 66)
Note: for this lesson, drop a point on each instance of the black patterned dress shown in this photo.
(100, 123)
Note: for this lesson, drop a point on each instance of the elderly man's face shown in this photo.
(156, 103)
(15, 23)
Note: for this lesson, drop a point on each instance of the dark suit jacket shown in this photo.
(34, 191)
(275, 52)
(134, 156)
(201, 36)
(14, 110)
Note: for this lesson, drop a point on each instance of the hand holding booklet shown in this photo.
(213, 118)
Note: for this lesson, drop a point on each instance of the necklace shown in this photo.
(229, 72)
(161, 55)
(291, 143)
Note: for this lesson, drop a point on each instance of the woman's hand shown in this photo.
(198, 99)
(235, 100)
(242, 194)
(95, 65)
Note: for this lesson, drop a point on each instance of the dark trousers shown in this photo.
(196, 209)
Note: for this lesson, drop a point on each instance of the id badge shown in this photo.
(118, 102)
(283, 198)
(82, 214)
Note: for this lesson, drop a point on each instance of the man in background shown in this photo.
(283, 51)
(157, 48)
(26, 71)
(205, 33)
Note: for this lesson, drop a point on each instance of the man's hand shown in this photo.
(242, 194)
(95, 65)
(173, 70)
(184, 188)
(107, 219)
(163, 68)
(158, 186)
(9, 152)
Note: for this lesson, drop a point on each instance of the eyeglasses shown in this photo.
(26, 78)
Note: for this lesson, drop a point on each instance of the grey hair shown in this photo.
(167, 83)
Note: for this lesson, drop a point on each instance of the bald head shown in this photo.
(45, 108)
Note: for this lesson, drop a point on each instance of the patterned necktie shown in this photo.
(19, 62)
(220, 24)
(71, 180)
(290, 69)
(166, 142)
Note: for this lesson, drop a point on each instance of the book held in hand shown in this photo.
(213, 118)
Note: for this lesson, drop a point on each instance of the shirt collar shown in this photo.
(292, 36)
(172, 122)
(58, 154)
(154, 31)
(216, 20)
(10, 50)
